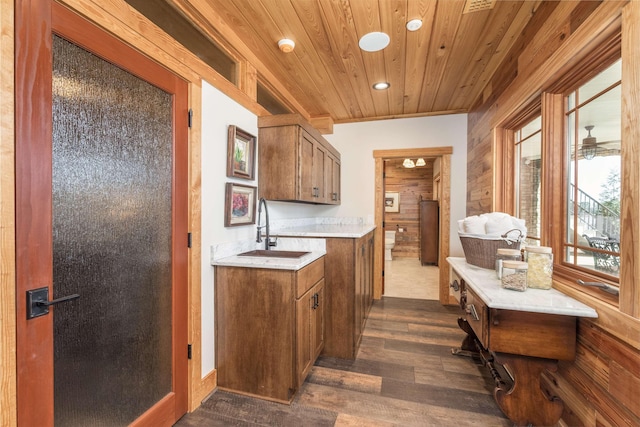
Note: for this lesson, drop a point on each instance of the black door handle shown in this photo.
(38, 302)
(57, 301)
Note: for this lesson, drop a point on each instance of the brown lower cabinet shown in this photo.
(269, 328)
(349, 293)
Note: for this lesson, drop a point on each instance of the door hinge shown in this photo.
(383, 224)
(190, 117)
(189, 351)
(189, 240)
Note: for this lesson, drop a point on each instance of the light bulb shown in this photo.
(408, 163)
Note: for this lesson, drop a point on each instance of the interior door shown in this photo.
(101, 201)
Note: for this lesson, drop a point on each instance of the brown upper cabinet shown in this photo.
(332, 178)
(295, 162)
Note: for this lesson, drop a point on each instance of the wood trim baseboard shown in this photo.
(202, 389)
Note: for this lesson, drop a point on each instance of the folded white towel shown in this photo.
(475, 224)
(498, 225)
(492, 224)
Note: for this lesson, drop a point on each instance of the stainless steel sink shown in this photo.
(274, 254)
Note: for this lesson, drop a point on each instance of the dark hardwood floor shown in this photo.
(404, 375)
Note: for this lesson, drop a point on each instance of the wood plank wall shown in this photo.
(600, 387)
(411, 185)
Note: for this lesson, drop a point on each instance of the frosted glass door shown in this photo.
(112, 231)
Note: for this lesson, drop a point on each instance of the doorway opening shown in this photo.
(405, 223)
(411, 224)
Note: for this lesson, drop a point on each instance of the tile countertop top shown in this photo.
(325, 230)
(485, 283)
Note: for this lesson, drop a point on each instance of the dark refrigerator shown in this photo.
(429, 220)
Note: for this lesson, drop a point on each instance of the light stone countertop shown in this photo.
(487, 286)
(270, 263)
(226, 254)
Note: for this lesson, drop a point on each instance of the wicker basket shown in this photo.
(480, 250)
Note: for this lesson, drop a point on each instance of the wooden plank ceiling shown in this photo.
(442, 68)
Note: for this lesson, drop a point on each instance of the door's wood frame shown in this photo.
(444, 153)
(7, 219)
(33, 95)
(35, 22)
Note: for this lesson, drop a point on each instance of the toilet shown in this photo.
(389, 243)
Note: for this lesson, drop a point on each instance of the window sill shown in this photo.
(570, 275)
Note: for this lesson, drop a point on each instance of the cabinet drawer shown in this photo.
(309, 276)
(533, 334)
(477, 316)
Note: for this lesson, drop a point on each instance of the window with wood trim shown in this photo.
(559, 169)
(270, 102)
(592, 175)
(165, 16)
(528, 177)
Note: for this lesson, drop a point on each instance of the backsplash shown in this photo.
(279, 224)
(226, 249)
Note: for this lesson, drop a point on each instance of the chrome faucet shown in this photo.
(267, 243)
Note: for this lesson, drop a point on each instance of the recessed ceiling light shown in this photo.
(381, 86)
(414, 25)
(374, 41)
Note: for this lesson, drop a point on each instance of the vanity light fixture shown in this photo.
(374, 41)
(420, 162)
(414, 25)
(286, 45)
(381, 86)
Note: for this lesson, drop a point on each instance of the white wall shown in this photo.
(355, 142)
(218, 112)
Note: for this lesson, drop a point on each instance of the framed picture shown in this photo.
(241, 154)
(391, 202)
(240, 205)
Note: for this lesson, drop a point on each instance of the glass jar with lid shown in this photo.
(503, 254)
(514, 275)
(540, 260)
